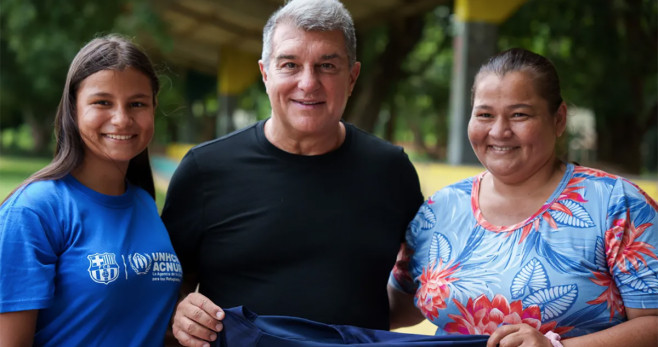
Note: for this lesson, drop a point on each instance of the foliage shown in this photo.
(38, 39)
(255, 98)
(170, 110)
(606, 53)
(605, 50)
(386, 48)
(14, 169)
(421, 98)
(16, 140)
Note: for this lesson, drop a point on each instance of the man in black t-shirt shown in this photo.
(301, 214)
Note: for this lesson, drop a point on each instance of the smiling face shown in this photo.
(511, 129)
(115, 111)
(308, 80)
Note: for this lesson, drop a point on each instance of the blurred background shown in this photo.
(418, 62)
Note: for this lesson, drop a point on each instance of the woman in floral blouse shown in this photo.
(533, 250)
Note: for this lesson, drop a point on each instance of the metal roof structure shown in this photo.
(200, 28)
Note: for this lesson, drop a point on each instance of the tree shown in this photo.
(606, 53)
(422, 95)
(385, 50)
(38, 39)
(403, 90)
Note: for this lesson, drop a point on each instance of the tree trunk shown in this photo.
(389, 130)
(373, 89)
(619, 141)
(41, 133)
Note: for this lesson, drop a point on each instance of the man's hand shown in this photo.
(197, 320)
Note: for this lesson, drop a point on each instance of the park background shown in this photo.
(418, 56)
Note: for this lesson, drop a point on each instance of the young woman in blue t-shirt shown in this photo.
(84, 257)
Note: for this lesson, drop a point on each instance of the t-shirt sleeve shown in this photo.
(183, 210)
(28, 258)
(631, 241)
(412, 197)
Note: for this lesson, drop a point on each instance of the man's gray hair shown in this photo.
(312, 15)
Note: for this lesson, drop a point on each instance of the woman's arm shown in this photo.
(403, 312)
(640, 330)
(17, 328)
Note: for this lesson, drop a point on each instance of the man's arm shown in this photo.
(183, 213)
(196, 319)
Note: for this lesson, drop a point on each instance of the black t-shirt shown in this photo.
(284, 234)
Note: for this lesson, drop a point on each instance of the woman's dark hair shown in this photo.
(543, 73)
(111, 52)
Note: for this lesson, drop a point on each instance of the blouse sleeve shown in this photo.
(402, 276)
(631, 238)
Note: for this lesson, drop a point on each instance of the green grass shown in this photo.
(13, 170)
(159, 198)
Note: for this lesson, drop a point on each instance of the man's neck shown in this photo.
(302, 144)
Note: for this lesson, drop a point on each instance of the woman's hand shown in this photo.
(518, 335)
(197, 320)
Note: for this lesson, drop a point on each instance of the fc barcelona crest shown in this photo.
(103, 267)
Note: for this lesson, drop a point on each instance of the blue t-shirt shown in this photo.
(571, 267)
(243, 328)
(100, 269)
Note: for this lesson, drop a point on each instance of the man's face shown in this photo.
(308, 80)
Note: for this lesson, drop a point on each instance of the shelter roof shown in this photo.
(200, 28)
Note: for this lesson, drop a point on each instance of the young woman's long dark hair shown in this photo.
(111, 52)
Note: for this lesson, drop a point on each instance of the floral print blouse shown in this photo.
(572, 267)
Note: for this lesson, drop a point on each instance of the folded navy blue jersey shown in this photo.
(243, 328)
